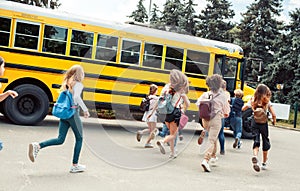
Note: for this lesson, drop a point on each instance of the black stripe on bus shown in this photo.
(134, 67)
(3, 80)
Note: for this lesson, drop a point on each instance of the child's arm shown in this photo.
(272, 111)
(11, 93)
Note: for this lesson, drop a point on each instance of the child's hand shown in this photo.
(86, 114)
(12, 93)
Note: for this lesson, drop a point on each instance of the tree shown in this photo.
(214, 21)
(286, 67)
(139, 15)
(53, 4)
(173, 11)
(187, 21)
(154, 17)
(259, 32)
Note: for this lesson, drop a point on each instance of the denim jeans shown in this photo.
(165, 131)
(64, 124)
(236, 123)
(222, 137)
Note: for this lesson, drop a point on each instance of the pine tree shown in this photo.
(139, 15)
(214, 21)
(52, 4)
(259, 32)
(187, 20)
(173, 11)
(154, 17)
(286, 67)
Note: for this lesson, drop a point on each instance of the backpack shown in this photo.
(145, 104)
(260, 115)
(206, 108)
(64, 107)
(165, 104)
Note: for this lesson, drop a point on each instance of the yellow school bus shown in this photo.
(120, 61)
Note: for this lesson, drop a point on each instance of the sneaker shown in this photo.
(264, 166)
(160, 144)
(255, 164)
(201, 137)
(240, 145)
(173, 155)
(33, 151)
(1, 145)
(222, 152)
(77, 168)
(138, 136)
(154, 133)
(235, 143)
(214, 161)
(148, 145)
(205, 166)
(180, 137)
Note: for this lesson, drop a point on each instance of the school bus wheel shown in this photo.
(29, 108)
(247, 129)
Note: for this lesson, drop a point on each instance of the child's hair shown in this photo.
(75, 73)
(262, 96)
(152, 89)
(179, 81)
(214, 82)
(238, 93)
(1, 60)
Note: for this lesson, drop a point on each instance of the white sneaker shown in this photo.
(214, 161)
(33, 151)
(264, 166)
(240, 145)
(77, 168)
(255, 164)
(160, 144)
(205, 166)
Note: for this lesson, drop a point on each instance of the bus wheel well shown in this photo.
(32, 81)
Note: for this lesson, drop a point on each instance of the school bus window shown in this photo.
(130, 52)
(107, 48)
(81, 44)
(152, 55)
(218, 65)
(230, 67)
(174, 58)
(4, 31)
(27, 35)
(55, 39)
(197, 62)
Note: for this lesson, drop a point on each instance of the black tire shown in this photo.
(247, 129)
(29, 108)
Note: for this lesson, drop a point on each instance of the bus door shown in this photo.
(227, 67)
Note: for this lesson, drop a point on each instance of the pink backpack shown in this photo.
(206, 108)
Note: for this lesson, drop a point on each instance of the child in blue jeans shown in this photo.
(236, 117)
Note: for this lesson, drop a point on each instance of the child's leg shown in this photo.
(152, 126)
(164, 131)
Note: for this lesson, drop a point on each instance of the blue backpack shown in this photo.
(165, 104)
(64, 107)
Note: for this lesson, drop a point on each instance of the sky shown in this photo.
(119, 10)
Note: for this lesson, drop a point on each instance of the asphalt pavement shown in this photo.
(116, 161)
